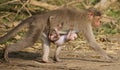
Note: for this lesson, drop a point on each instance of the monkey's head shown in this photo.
(94, 16)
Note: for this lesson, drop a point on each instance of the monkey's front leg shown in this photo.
(88, 33)
(46, 48)
(57, 52)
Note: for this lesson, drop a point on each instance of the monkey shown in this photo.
(53, 36)
(71, 35)
(54, 33)
(59, 38)
(59, 42)
(38, 26)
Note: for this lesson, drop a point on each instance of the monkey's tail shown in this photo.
(12, 32)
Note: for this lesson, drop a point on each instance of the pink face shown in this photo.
(95, 20)
(53, 36)
(73, 36)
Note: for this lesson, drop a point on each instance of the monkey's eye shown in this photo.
(98, 17)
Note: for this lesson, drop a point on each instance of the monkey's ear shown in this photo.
(95, 12)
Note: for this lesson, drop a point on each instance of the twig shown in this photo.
(41, 4)
(5, 15)
(72, 3)
(108, 19)
(28, 11)
(24, 6)
(9, 2)
(44, 5)
(27, 2)
(104, 4)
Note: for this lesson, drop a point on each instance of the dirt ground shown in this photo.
(77, 60)
(77, 57)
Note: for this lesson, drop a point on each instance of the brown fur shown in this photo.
(38, 24)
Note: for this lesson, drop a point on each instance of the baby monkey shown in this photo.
(54, 34)
(59, 39)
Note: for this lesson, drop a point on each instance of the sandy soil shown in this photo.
(78, 60)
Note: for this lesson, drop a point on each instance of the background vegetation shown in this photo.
(14, 11)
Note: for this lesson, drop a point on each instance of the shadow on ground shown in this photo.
(22, 55)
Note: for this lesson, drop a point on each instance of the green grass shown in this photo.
(113, 13)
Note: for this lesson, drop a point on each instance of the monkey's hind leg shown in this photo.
(17, 47)
(26, 42)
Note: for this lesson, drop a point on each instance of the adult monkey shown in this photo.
(38, 26)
